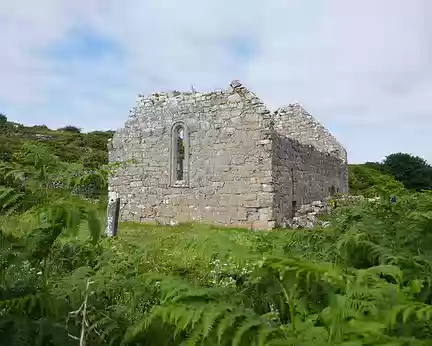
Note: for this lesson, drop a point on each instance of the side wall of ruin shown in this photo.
(308, 163)
(301, 175)
(228, 164)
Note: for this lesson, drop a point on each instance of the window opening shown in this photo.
(179, 153)
(292, 182)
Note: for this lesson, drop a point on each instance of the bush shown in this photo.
(413, 171)
(37, 128)
(95, 159)
(3, 120)
(370, 182)
(70, 128)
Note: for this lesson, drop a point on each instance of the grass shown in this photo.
(200, 251)
(189, 248)
(206, 240)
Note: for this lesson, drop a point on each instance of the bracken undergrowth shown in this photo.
(366, 280)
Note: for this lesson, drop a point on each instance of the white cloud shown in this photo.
(362, 68)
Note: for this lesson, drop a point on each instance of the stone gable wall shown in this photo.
(294, 122)
(229, 162)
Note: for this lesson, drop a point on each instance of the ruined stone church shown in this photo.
(222, 158)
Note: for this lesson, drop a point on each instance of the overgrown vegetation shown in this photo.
(370, 182)
(366, 280)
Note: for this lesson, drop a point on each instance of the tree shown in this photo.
(70, 128)
(412, 171)
(40, 128)
(3, 119)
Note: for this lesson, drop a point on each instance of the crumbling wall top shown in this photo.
(235, 87)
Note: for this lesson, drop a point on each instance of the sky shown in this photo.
(362, 68)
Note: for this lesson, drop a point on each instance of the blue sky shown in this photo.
(84, 44)
(362, 68)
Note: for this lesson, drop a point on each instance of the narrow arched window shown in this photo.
(179, 155)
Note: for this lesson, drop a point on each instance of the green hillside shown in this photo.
(68, 143)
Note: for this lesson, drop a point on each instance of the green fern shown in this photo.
(9, 200)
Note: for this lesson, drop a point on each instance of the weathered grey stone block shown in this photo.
(238, 163)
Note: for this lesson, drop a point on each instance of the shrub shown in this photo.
(39, 128)
(370, 182)
(3, 120)
(70, 128)
(413, 171)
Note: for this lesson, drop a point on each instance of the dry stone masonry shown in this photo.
(307, 216)
(222, 158)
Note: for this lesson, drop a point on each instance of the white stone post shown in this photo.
(113, 212)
